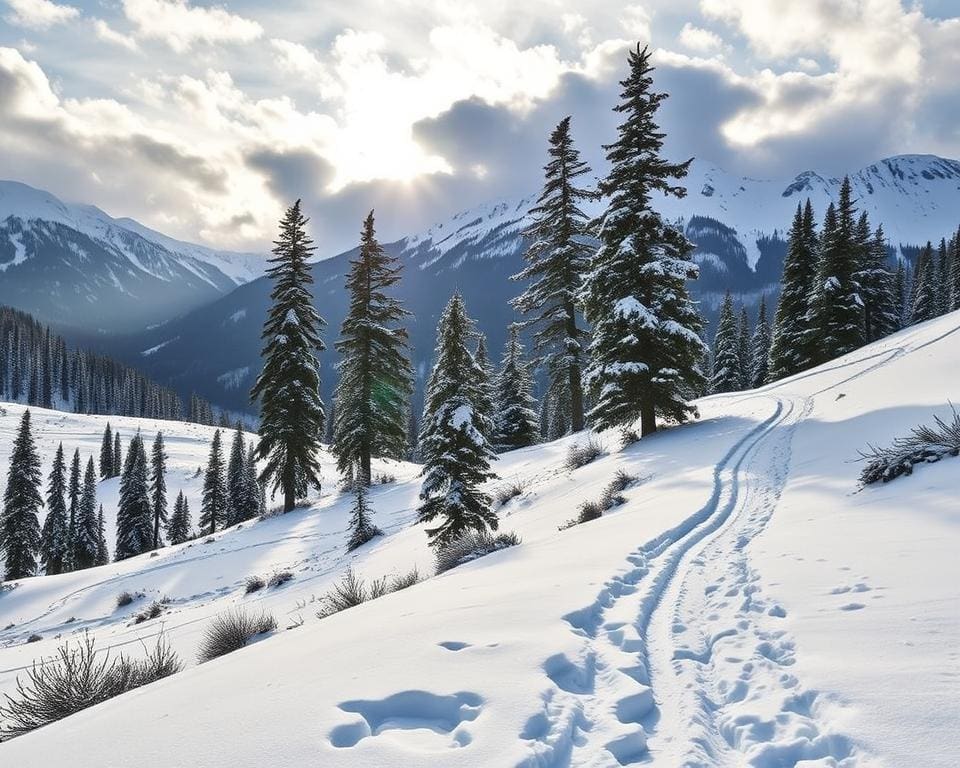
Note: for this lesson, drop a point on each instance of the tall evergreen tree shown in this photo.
(943, 278)
(103, 553)
(373, 393)
(877, 286)
(178, 526)
(213, 510)
(117, 455)
(558, 411)
(73, 505)
(362, 527)
(453, 445)
(760, 344)
(744, 348)
(236, 479)
(252, 489)
(54, 541)
(515, 420)
(106, 454)
(134, 516)
(291, 411)
(158, 488)
(557, 260)
(646, 349)
(727, 373)
(486, 395)
(86, 544)
(836, 312)
(900, 293)
(954, 246)
(924, 305)
(19, 524)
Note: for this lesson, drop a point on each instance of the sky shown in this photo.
(205, 120)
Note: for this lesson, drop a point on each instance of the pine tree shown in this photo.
(86, 545)
(924, 305)
(646, 349)
(455, 452)
(877, 286)
(117, 455)
(727, 374)
(375, 384)
(557, 260)
(134, 516)
(178, 526)
(790, 344)
(106, 454)
(252, 489)
(836, 312)
(54, 536)
(515, 421)
(362, 528)
(955, 271)
(485, 397)
(943, 279)
(900, 293)
(158, 488)
(744, 348)
(291, 412)
(19, 525)
(236, 479)
(760, 345)
(213, 510)
(103, 553)
(73, 509)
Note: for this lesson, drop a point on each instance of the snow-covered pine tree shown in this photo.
(515, 421)
(836, 310)
(213, 509)
(744, 348)
(558, 410)
(727, 373)
(19, 524)
(103, 553)
(178, 526)
(790, 344)
(373, 392)
(877, 289)
(288, 388)
(236, 479)
(53, 537)
(252, 489)
(453, 445)
(86, 546)
(646, 349)
(760, 345)
(73, 505)
(900, 293)
(158, 488)
(106, 453)
(557, 260)
(134, 516)
(117, 455)
(955, 271)
(486, 395)
(362, 528)
(943, 278)
(924, 305)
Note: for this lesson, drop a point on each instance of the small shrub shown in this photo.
(11, 625)
(472, 545)
(505, 493)
(126, 598)
(612, 497)
(150, 612)
(77, 678)
(581, 454)
(405, 580)
(253, 584)
(924, 445)
(34, 638)
(384, 478)
(628, 436)
(378, 588)
(231, 631)
(346, 593)
(280, 578)
(277, 509)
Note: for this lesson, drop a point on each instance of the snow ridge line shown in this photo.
(594, 713)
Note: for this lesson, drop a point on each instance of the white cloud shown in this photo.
(181, 25)
(109, 35)
(40, 14)
(700, 40)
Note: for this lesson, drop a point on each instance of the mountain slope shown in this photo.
(75, 266)
(746, 605)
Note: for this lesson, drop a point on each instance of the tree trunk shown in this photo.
(576, 399)
(648, 419)
(365, 477)
(288, 497)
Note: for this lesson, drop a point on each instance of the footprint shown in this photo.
(777, 611)
(852, 607)
(453, 645)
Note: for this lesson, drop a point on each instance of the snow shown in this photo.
(234, 378)
(151, 350)
(747, 605)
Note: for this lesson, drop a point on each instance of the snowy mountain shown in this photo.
(73, 265)
(748, 604)
(737, 224)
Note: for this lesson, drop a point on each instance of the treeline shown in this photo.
(839, 291)
(38, 369)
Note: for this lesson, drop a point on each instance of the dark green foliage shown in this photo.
(362, 528)
(158, 488)
(117, 455)
(470, 545)
(744, 348)
(237, 481)
(453, 442)
(54, 543)
(103, 553)
(349, 592)
(375, 384)
(85, 543)
(924, 445)
(73, 505)
(515, 419)
(646, 349)
(727, 373)
(106, 453)
(557, 260)
(760, 347)
(178, 526)
(877, 285)
(485, 393)
(955, 271)
(288, 388)
(231, 631)
(19, 525)
(134, 516)
(213, 509)
(924, 305)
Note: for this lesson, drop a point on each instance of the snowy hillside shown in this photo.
(74, 265)
(747, 605)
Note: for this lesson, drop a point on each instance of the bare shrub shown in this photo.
(231, 631)
(152, 611)
(404, 580)
(611, 497)
(253, 584)
(925, 444)
(125, 598)
(279, 578)
(581, 454)
(77, 678)
(346, 593)
(628, 436)
(384, 478)
(471, 545)
(509, 491)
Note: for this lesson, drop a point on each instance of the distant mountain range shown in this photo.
(738, 226)
(75, 266)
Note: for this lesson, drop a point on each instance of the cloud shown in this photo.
(181, 25)
(700, 40)
(40, 14)
(109, 35)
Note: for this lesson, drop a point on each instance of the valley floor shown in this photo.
(748, 605)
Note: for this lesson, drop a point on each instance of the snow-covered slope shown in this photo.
(748, 605)
(57, 258)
